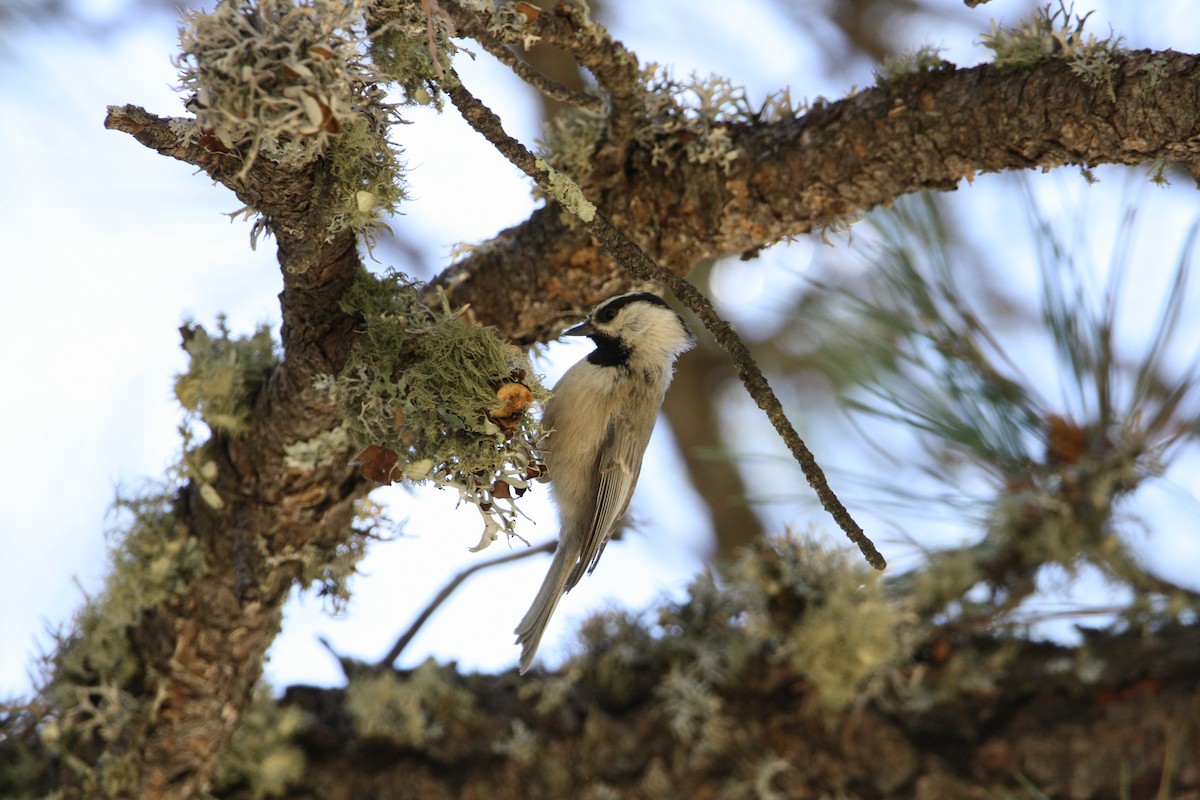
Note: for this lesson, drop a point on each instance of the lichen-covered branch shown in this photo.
(797, 174)
(785, 681)
(150, 687)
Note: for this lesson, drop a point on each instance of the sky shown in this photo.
(106, 248)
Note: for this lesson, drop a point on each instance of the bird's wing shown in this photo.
(617, 468)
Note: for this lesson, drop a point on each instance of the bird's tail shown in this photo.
(533, 624)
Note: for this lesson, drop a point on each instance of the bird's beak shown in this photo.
(585, 329)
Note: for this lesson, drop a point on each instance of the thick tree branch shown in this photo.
(201, 654)
(928, 131)
(1031, 727)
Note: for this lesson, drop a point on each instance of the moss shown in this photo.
(224, 374)
(451, 399)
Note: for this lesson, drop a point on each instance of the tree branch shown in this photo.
(200, 654)
(928, 131)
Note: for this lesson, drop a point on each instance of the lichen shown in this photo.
(411, 47)
(322, 450)
(287, 80)
(416, 710)
(925, 58)
(224, 373)
(569, 140)
(821, 614)
(262, 753)
(1055, 34)
(566, 191)
(330, 565)
(451, 399)
(691, 119)
(90, 698)
(788, 605)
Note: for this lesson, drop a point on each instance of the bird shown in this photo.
(598, 423)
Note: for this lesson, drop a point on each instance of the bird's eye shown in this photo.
(606, 314)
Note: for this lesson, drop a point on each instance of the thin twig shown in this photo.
(634, 259)
(448, 590)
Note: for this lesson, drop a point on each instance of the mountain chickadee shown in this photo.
(599, 422)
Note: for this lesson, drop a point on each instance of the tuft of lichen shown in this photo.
(412, 49)
(822, 614)
(1055, 34)
(262, 754)
(451, 399)
(417, 710)
(788, 608)
(568, 142)
(925, 58)
(287, 80)
(691, 119)
(322, 450)
(224, 373)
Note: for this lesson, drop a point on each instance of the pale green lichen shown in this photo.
(262, 754)
(569, 141)
(567, 192)
(287, 80)
(925, 58)
(224, 373)
(822, 614)
(788, 604)
(324, 449)
(451, 399)
(90, 697)
(411, 47)
(691, 119)
(417, 710)
(693, 711)
(1055, 34)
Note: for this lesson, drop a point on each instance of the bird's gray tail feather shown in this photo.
(533, 624)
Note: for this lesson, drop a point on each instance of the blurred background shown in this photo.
(106, 248)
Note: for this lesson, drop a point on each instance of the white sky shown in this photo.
(106, 247)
